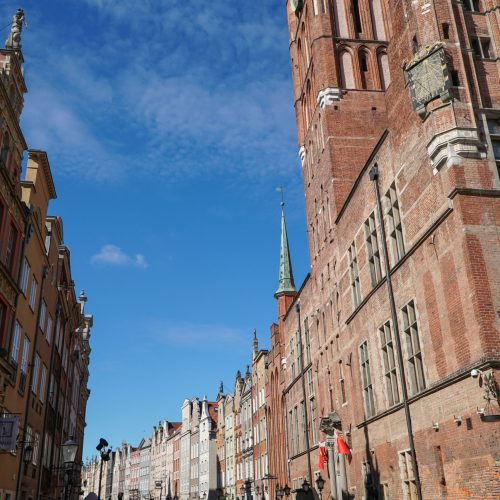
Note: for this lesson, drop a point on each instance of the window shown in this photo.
(11, 248)
(43, 311)
(494, 130)
(36, 442)
(481, 47)
(43, 381)
(292, 358)
(15, 343)
(416, 367)
(472, 5)
(36, 373)
(297, 429)
(26, 350)
(23, 284)
(342, 382)
(395, 226)
(373, 249)
(446, 30)
(357, 17)
(366, 379)
(389, 360)
(407, 475)
(34, 286)
(354, 273)
(48, 334)
(308, 340)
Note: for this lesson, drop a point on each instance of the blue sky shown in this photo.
(168, 126)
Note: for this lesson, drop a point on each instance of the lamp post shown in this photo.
(69, 450)
(27, 456)
(279, 493)
(104, 451)
(320, 484)
(286, 490)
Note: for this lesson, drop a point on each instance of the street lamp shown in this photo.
(286, 490)
(69, 450)
(305, 485)
(242, 490)
(279, 492)
(101, 448)
(27, 455)
(320, 484)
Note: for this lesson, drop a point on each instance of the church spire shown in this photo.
(255, 344)
(286, 284)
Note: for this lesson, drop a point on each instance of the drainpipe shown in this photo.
(304, 397)
(20, 471)
(374, 174)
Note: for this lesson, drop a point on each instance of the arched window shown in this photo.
(377, 20)
(383, 65)
(347, 71)
(341, 19)
(364, 70)
(358, 28)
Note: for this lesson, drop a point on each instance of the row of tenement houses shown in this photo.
(392, 341)
(44, 328)
(216, 448)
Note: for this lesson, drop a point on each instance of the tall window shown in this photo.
(415, 364)
(358, 28)
(43, 382)
(48, 334)
(291, 440)
(43, 312)
(395, 226)
(342, 382)
(389, 358)
(292, 357)
(34, 286)
(366, 380)
(36, 373)
(494, 130)
(297, 429)
(24, 358)
(11, 248)
(373, 249)
(23, 284)
(407, 475)
(354, 274)
(481, 47)
(14, 354)
(307, 337)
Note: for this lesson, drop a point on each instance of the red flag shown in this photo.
(342, 447)
(323, 456)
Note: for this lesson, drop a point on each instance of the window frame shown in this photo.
(390, 365)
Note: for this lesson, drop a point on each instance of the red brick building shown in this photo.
(392, 342)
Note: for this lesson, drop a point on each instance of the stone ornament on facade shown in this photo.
(449, 147)
(14, 39)
(329, 96)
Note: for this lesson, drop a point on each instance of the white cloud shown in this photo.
(111, 255)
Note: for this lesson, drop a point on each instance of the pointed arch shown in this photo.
(365, 68)
(347, 70)
(377, 20)
(383, 67)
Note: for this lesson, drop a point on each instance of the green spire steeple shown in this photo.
(286, 274)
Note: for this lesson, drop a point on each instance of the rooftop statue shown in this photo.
(14, 40)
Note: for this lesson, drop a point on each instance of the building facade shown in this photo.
(44, 329)
(389, 351)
